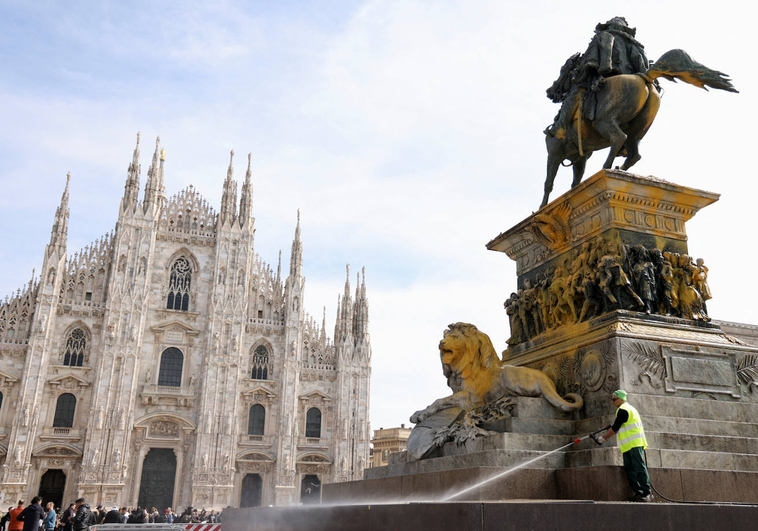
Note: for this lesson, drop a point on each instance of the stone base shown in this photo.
(477, 516)
(602, 483)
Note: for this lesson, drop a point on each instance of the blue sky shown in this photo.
(407, 133)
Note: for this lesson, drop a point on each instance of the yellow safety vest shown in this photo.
(631, 434)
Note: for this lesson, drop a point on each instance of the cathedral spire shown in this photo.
(279, 269)
(154, 188)
(59, 233)
(246, 201)
(322, 336)
(296, 259)
(131, 188)
(343, 329)
(360, 314)
(229, 197)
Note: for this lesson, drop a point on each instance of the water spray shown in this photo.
(592, 435)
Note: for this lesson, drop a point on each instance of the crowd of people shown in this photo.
(78, 516)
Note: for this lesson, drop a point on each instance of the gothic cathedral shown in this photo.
(167, 365)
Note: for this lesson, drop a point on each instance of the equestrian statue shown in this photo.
(610, 96)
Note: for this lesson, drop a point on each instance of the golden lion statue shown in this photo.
(477, 376)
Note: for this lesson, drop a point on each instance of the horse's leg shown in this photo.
(632, 153)
(616, 138)
(579, 165)
(553, 163)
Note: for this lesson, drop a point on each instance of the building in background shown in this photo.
(386, 442)
(167, 365)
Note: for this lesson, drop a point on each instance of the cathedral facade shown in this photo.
(167, 365)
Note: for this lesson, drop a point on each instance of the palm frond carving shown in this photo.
(649, 358)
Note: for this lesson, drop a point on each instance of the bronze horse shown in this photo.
(626, 107)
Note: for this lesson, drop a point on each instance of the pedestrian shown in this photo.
(32, 515)
(83, 517)
(15, 524)
(51, 517)
(124, 515)
(66, 517)
(112, 516)
(632, 444)
(5, 520)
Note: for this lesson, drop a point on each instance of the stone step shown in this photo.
(594, 456)
(538, 408)
(696, 408)
(688, 459)
(501, 459)
(509, 441)
(702, 443)
(700, 426)
(539, 426)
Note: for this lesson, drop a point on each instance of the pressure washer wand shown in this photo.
(592, 435)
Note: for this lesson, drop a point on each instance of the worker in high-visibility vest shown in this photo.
(631, 438)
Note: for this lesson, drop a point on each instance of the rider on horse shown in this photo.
(613, 50)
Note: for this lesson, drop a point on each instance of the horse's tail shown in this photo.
(677, 64)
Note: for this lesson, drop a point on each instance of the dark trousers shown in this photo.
(636, 471)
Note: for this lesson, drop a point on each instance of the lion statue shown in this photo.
(477, 376)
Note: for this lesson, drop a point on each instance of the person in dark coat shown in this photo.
(83, 517)
(66, 516)
(112, 517)
(32, 515)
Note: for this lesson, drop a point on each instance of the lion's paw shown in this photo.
(419, 416)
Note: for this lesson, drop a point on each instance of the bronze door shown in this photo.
(51, 487)
(158, 475)
(310, 490)
(252, 491)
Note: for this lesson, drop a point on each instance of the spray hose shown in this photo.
(593, 435)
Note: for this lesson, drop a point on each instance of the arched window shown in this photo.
(172, 361)
(257, 420)
(64, 411)
(73, 354)
(313, 423)
(260, 363)
(179, 285)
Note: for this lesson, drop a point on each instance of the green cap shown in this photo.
(620, 394)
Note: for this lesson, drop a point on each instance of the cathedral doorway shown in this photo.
(310, 490)
(51, 487)
(252, 491)
(158, 476)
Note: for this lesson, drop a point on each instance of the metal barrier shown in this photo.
(157, 527)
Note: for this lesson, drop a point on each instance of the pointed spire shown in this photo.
(296, 258)
(246, 201)
(279, 269)
(360, 314)
(322, 335)
(131, 188)
(154, 189)
(229, 197)
(338, 322)
(59, 233)
(343, 330)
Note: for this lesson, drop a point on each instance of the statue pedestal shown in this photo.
(612, 204)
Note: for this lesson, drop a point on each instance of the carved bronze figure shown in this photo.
(610, 97)
(605, 275)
